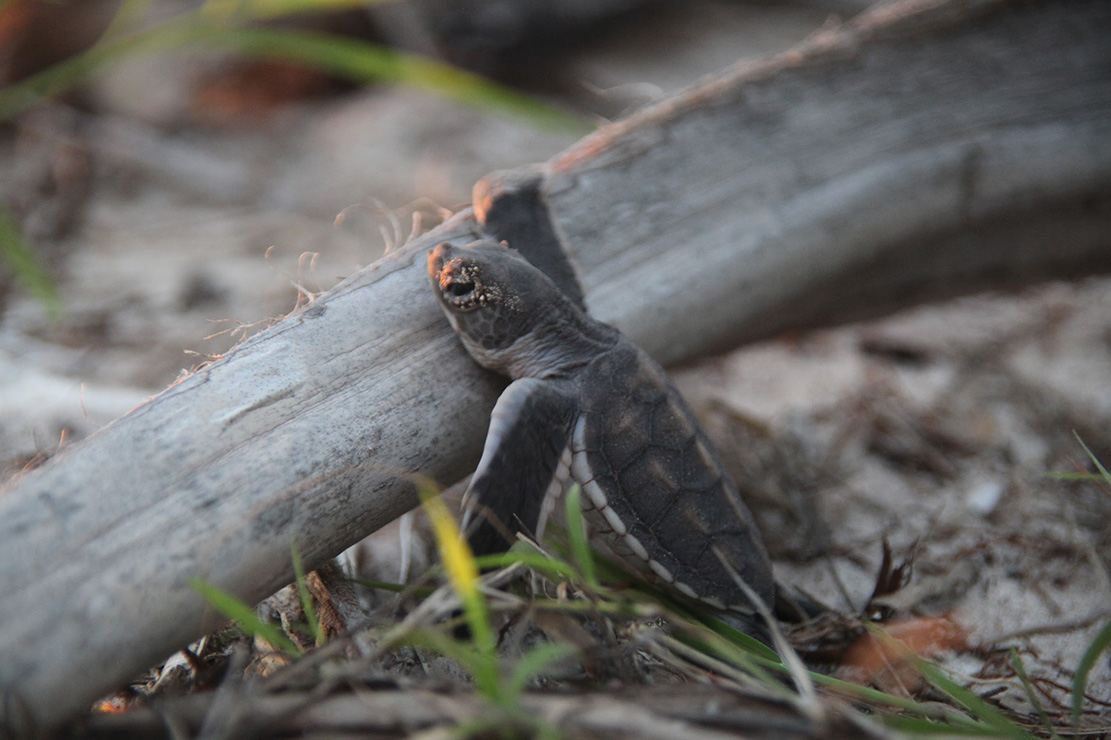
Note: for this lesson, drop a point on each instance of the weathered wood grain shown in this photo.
(927, 149)
(922, 151)
(306, 432)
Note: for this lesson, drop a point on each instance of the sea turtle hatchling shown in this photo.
(588, 405)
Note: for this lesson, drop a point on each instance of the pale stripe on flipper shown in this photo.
(560, 480)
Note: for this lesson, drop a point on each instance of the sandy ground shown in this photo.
(936, 429)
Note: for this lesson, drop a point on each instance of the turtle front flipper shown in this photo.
(529, 429)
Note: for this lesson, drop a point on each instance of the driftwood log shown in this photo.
(923, 150)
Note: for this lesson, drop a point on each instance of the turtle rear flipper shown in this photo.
(529, 430)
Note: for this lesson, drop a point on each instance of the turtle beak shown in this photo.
(455, 288)
(436, 259)
(441, 267)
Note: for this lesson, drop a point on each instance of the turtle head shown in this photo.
(493, 297)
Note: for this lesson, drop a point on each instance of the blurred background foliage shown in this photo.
(49, 47)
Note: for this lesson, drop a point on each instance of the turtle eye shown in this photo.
(461, 288)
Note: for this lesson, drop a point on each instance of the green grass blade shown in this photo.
(1099, 466)
(1020, 670)
(265, 9)
(15, 253)
(397, 588)
(1102, 640)
(1088, 477)
(462, 653)
(356, 60)
(546, 566)
(576, 536)
(947, 727)
(877, 698)
(64, 75)
(130, 15)
(1087, 661)
(306, 598)
(710, 643)
(533, 663)
(244, 615)
(979, 708)
(745, 642)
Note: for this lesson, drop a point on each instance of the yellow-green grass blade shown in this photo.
(462, 572)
